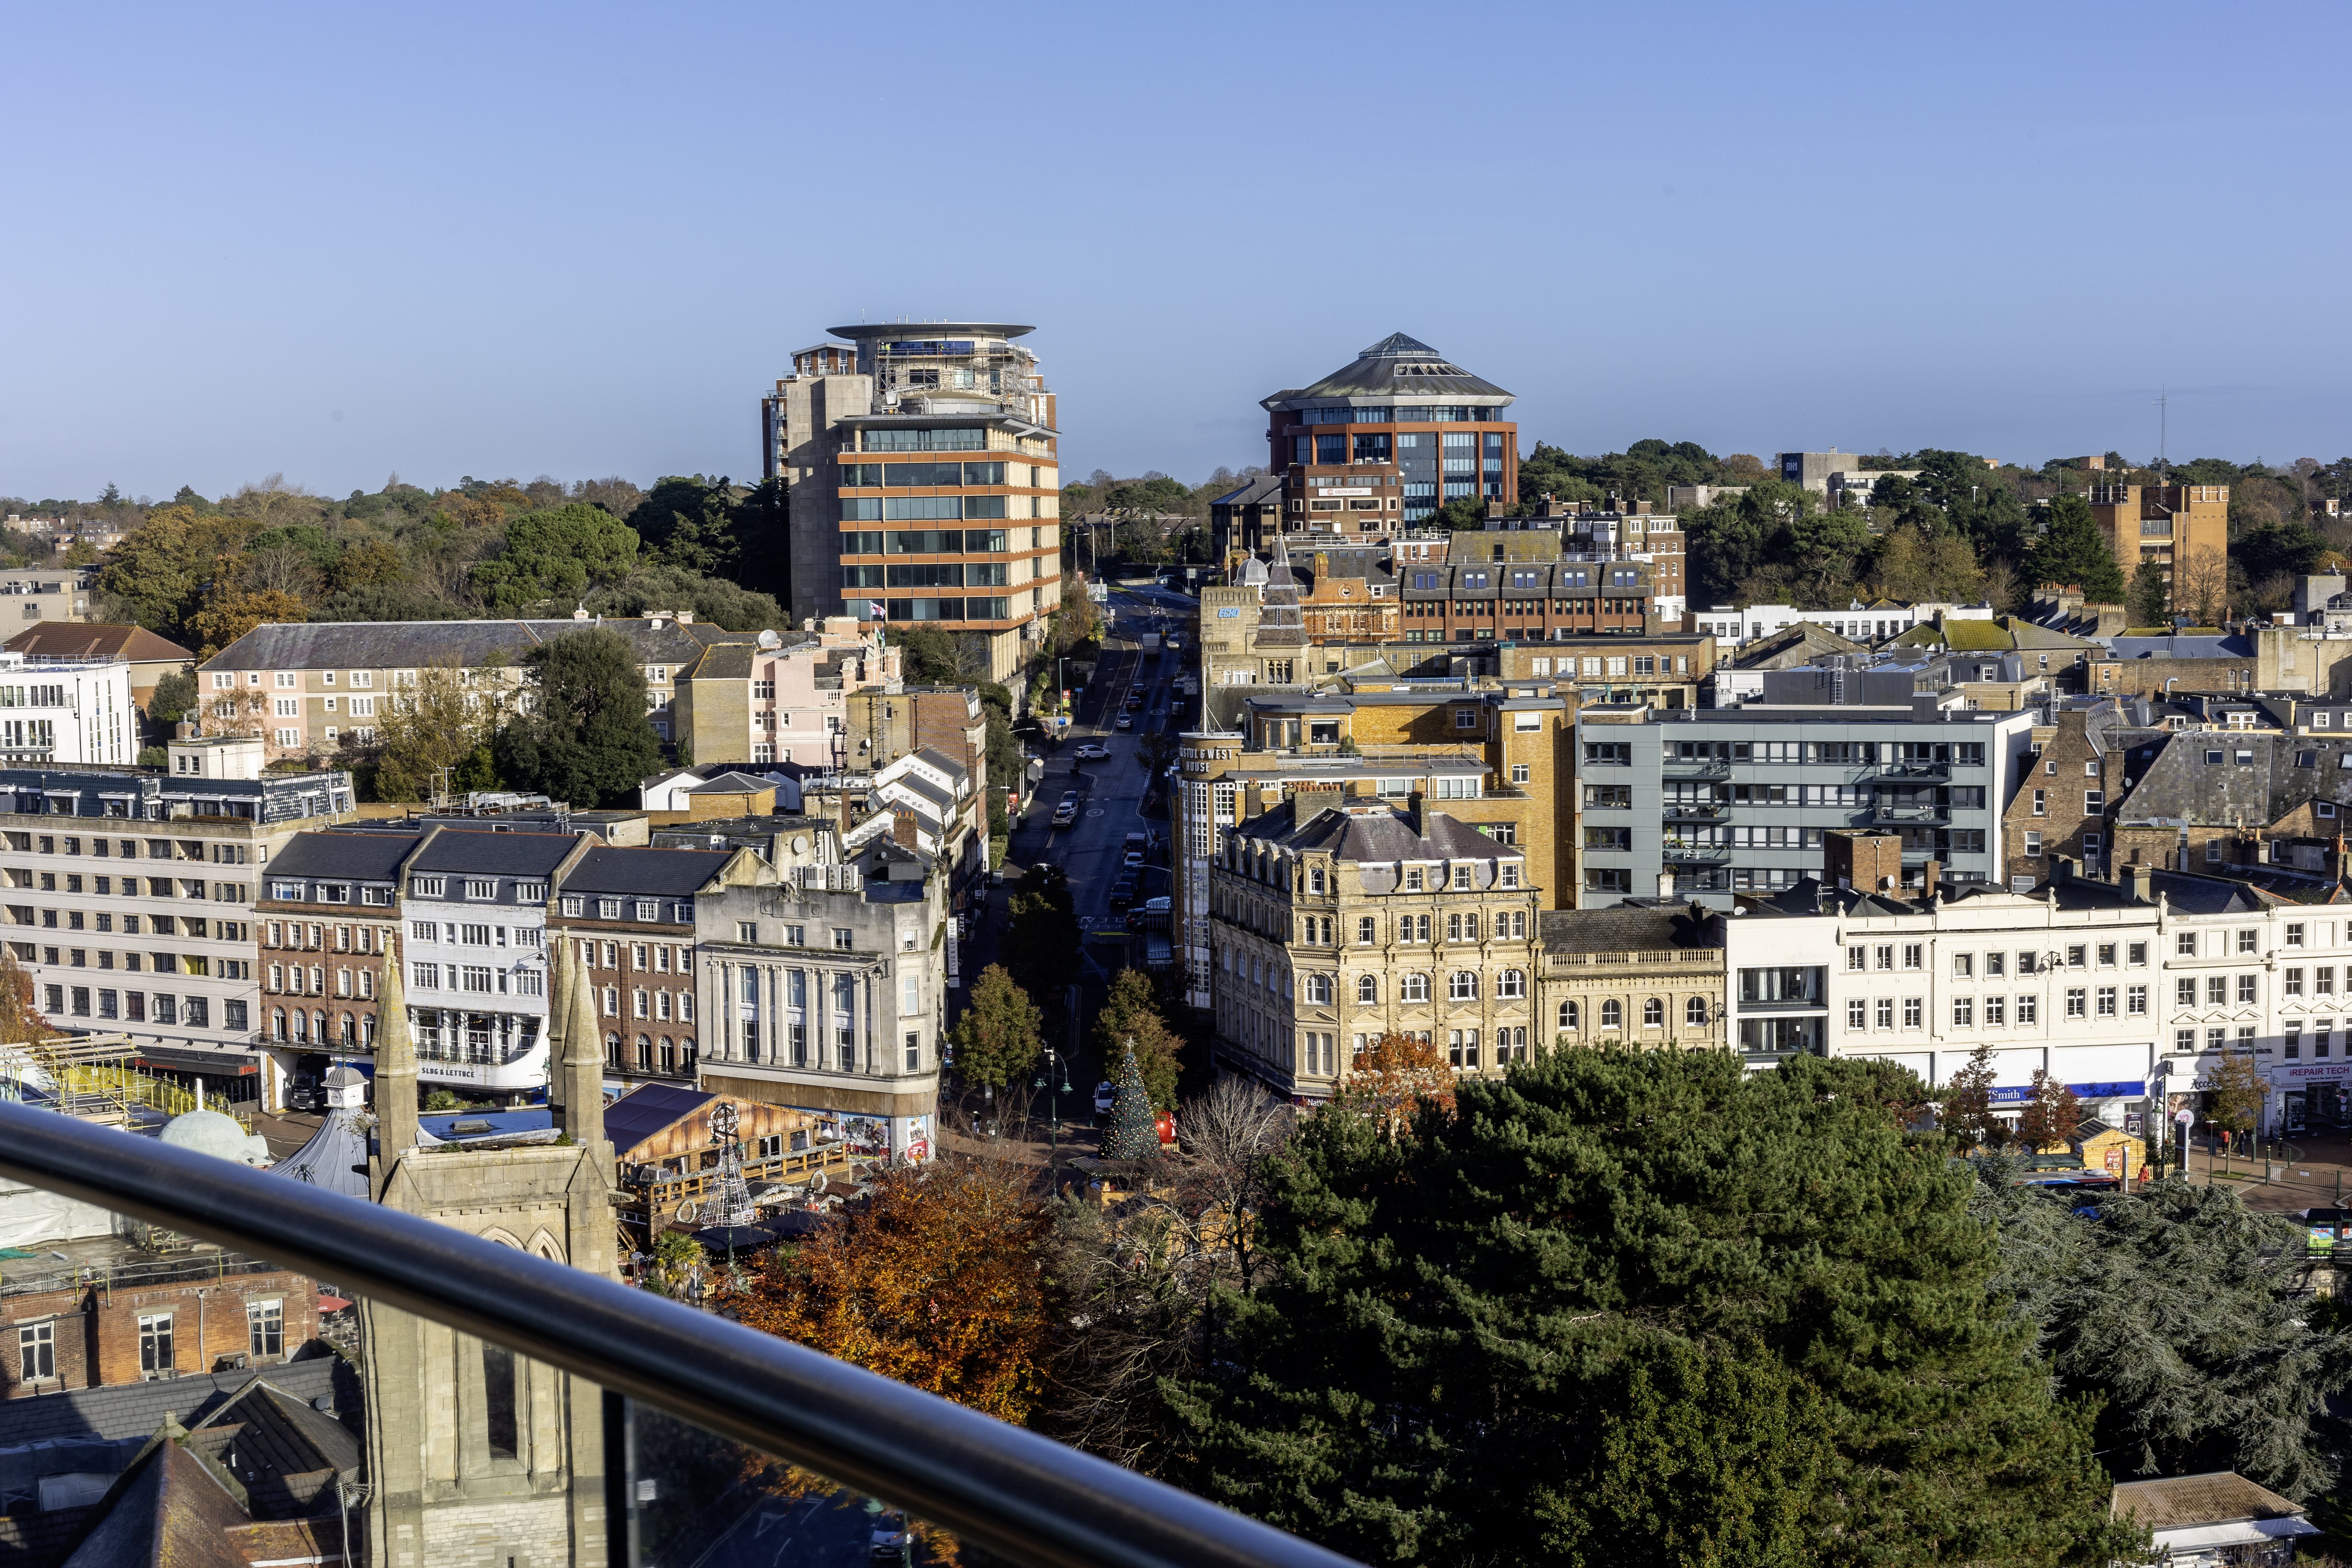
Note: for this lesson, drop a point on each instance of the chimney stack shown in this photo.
(2139, 883)
(1667, 883)
(1930, 876)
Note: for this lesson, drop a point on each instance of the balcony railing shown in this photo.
(1695, 768)
(1010, 1490)
(1896, 772)
(1685, 854)
(1697, 813)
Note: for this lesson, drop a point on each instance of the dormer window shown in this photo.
(1462, 879)
(1412, 879)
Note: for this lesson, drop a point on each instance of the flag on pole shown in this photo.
(875, 610)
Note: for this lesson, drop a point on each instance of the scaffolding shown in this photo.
(93, 1078)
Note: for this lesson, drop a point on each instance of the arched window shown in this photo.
(1695, 1011)
(1511, 984)
(1612, 1014)
(1319, 989)
(1653, 1012)
(613, 1050)
(645, 1054)
(1571, 1018)
(1315, 880)
(1368, 989)
(278, 1023)
(1412, 988)
(1462, 985)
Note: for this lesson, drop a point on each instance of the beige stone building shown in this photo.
(1646, 973)
(1334, 922)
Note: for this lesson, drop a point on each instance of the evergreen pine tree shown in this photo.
(2072, 550)
(1134, 1132)
(1640, 1307)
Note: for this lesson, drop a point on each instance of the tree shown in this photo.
(1040, 934)
(997, 1040)
(935, 1280)
(2072, 552)
(2149, 604)
(428, 733)
(2234, 1090)
(1527, 1332)
(229, 615)
(1392, 1078)
(559, 554)
(1130, 1015)
(365, 564)
(2051, 1116)
(714, 600)
(926, 655)
(1134, 1132)
(582, 735)
(1967, 1112)
(689, 522)
(1462, 512)
(2183, 1315)
(763, 530)
(1933, 562)
(21, 1022)
(161, 573)
(2201, 584)
(1230, 1133)
(173, 699)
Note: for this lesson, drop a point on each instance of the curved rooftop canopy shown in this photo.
(924, 331)
(1395, 368)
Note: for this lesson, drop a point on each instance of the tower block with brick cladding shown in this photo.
(479, 1456)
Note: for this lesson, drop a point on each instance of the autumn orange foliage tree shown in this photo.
(1392, 1075)
(935, 1280)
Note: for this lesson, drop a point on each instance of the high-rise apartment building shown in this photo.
(1385, 441)
(2183, 529)
(920, 465)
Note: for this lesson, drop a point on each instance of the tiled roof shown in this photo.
(361, 857)
(1398, 367)
(496, 853)
(65, 639)
(2181, 1502)
(135, 1410)
(1381, 835)
(645, 869)
(732, 784)
(410, 644)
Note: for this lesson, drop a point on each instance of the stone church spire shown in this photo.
(396, 1070)
(582, 1060)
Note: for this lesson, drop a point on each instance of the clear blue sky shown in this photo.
(505, 240)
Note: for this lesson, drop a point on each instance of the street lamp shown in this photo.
(1053, 1070)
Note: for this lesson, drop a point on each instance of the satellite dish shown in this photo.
(800, 845)
(770, 639)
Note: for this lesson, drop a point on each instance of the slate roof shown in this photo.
(647, 870)
(1397, 366)
(167, 1510)
(1263, 491)
(2002, 634)
(361, 857)
(2181, 1502)
(1375, 838)
(941, 761)
(1795, 646)
(646, 1110)
(728, 661)
(496, 853)
(1626, 928)
(133, 1410)
(2195, 895)
(409, 644)
(2184, 783)
(281, 1433)
(1280, 623)
(65, 639)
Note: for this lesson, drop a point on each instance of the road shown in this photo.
(1112, 794)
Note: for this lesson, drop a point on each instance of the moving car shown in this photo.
(1067, 811)
(1125, 722)
(1094, 751)
(1122, 892)
(1134, 847)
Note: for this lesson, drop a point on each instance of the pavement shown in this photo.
(2316, 1173)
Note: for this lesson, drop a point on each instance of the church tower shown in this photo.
(477, 1456)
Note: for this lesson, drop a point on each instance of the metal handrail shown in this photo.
(1012, 1490)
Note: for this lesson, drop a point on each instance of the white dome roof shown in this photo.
(210, 1132)
(1252, 573)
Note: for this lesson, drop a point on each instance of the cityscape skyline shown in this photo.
(550, 251)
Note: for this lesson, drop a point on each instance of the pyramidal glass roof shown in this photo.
(1397, 366)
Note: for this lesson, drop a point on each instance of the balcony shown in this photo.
(1897, 773)
(1706, 814)
(1911, 816)
(659, 1363)
(1681, 852)
(1693, 768)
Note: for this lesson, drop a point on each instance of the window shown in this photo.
(1886, 1012)
(2136, 1001)
(2106, 1001)
(1913, 1008)
(1964, 1012)
(1915, 955)
(1462, 985)
(36, 1352)
(1413, 987)
(1366, 930)
(1695, 1011)
(1612, 1014)
(843, 938)
(2247, 940)
(2077, 1002)
(1511, 984)
(481, 887)
(1855, 958)
(2185, 945)
(2295, 934)
(155, 1344)
(2032, 845)
(2041, 803)
(1571, 1018)
(2245, 988)
(1963, 965)
(1367, 990)
(265, 1329)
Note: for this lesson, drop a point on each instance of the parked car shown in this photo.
(1094, 751)
(1122, 892)
(1105, 1093)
